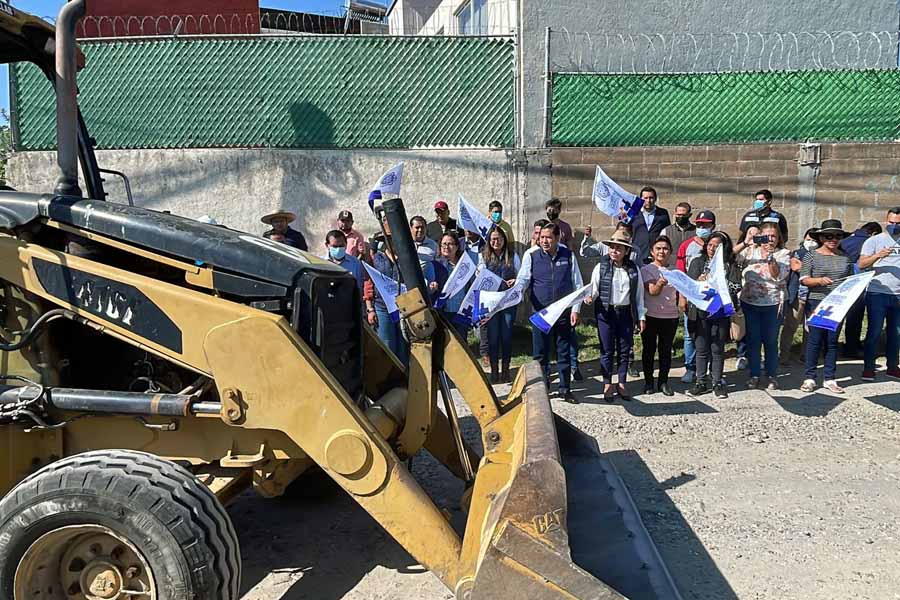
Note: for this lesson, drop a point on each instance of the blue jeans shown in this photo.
(819, 338)
(573, 349)
(389, 332)
(882, 307)
(762, 333)
(560, 333)
(500, 329)
(615, 328)
(690, 353)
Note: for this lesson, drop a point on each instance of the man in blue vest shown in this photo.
(552, 273)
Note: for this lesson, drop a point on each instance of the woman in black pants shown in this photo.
(709, 333)
(661, 302)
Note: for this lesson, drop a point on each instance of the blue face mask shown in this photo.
(758, 204)
(703, 232)
(893, 229)
(496, 216)
(337, 253)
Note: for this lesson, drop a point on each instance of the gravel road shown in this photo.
(761, 496)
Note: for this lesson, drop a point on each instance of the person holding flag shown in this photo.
(454, 270)
(661, 301)
(710, 329)
(551, 272)
(380, 316)
(617, 292)
(499, 258)
(821, 272)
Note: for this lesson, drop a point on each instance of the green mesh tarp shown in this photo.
(290, 92)
(644, 110)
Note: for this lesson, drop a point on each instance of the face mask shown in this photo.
(759, 204)
(703, 232)
(810, 245)
(683, 221)
(893, 229)
(552, 214)
(337, 253)
(496, 216)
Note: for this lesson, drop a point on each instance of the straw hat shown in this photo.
(620, 237)
(281, 214)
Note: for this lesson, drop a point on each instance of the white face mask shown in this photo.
(810, 244)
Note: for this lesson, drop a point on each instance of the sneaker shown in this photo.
(753, 383)
(773, 385)
(895, 372)
(666, 390)
(868, 375)
(689, 376)
(577, 376)
(699, 388)
(809, 385)
(719, 391)
(832, 386)
(742, 363)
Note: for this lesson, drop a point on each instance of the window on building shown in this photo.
(472, 18)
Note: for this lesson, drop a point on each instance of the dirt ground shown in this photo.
(761, 496)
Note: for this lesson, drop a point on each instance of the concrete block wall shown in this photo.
(855, 183)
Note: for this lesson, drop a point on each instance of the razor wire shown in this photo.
(685, 52)
(488, 18)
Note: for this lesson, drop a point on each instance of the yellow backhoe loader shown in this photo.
(153, 367)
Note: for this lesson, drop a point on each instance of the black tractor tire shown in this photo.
(176, 523)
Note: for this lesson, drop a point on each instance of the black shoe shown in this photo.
(719, 391)
(623, 396)
(495, 377)
(568, 397)
(633, 372)
(648, 389)
(698, 389)
(577, 376)
(666, 390)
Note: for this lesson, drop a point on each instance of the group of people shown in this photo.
(773, 289)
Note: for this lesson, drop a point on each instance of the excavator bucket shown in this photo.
(564, 526)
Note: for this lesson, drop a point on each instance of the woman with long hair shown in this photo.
(661, 302)
(821, 271)
(450, 251)
(765, 265)
(710, 331)
(498, 257)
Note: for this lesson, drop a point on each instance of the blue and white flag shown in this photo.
(699, 293)
(388, 289)
(462, 273)
(632, 209)
(388, 184)
(488, 304)
(609, 197)
(546, 318)
(834, 307)
(471, 220)
(721, 306)
(484, 281)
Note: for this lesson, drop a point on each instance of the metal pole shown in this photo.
(545, 142)
(66, 104)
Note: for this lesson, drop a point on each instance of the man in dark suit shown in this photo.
(648, 225)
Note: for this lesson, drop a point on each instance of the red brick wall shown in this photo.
(855, 183)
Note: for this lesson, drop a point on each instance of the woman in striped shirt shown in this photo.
(821, 271)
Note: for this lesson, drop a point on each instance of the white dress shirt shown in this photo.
(621, 289)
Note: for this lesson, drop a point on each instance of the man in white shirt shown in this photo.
(882, 253)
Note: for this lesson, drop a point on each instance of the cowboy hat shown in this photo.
(280, 214)
(830, 226)
(621, 238)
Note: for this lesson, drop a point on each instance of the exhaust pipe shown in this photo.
(66, 104)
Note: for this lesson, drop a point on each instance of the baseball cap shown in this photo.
(705, 216)
(440, 204)
(345, 215)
